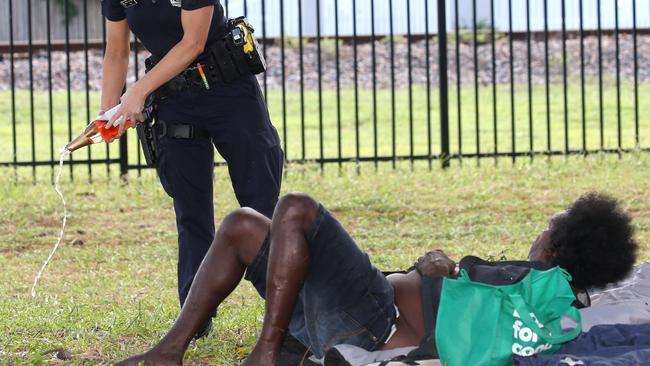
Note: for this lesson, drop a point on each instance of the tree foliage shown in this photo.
(72, 9)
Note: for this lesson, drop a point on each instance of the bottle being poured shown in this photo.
(98, 132)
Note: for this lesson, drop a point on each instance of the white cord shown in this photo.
(57, 188)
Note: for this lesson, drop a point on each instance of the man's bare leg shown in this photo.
(235, 246)
(288, 267)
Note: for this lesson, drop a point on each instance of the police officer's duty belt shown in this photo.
(231, 57)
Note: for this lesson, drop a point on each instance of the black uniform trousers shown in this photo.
(236, 118)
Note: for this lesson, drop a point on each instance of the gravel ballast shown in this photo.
(382, 64)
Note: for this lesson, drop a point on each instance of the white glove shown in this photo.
(109, 114)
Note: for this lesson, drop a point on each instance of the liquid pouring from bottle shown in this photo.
(57, 188)
(94, 133)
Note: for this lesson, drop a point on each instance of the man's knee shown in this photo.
(296, 207)
(243, 223)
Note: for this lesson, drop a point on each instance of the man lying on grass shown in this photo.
(323, 290)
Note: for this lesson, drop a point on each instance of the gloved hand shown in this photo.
(130, 109)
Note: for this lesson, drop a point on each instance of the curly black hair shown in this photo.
(594, 241)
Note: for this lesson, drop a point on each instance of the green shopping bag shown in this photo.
(479, 324)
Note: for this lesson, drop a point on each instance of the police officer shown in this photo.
(231, 115)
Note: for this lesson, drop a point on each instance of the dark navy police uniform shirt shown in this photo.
(157, 23)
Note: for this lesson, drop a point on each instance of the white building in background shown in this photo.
(418, 15)
(422, 13)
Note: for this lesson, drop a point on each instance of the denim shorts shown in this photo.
(344, 299)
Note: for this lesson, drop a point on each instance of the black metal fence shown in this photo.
(366, 80)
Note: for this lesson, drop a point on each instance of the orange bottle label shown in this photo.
(110, 133)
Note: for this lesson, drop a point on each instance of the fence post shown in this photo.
(124, 156)
(444, 91)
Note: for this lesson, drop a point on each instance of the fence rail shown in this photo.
(365, 80)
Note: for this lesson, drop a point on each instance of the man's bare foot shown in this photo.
(261, 357)
(151, 358)
(132, 361)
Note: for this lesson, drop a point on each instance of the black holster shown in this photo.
(146, 133)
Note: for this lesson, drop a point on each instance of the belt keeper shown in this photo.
(182, 131)
(163, 127)
(175, 131)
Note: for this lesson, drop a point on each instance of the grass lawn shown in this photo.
(289, 121)
(111, 289)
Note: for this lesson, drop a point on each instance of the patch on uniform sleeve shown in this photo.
(128, 3)
(176, 3)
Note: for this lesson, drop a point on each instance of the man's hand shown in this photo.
(435, 263)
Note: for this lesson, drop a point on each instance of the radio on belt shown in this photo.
(241, 37)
